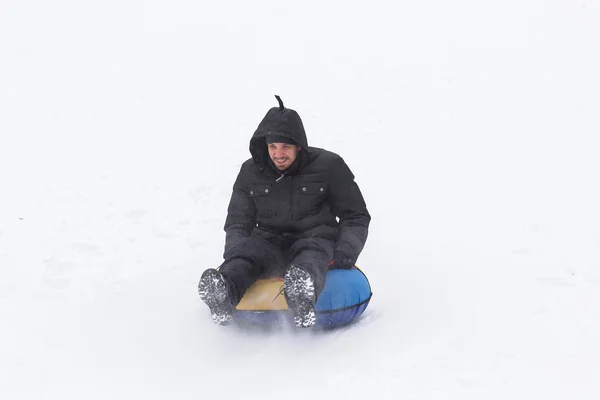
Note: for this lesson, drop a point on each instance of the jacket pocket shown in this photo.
(264, 202)
(311, 199)
(313, 188)
(263, 189)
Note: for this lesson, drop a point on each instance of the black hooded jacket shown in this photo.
(302, 202)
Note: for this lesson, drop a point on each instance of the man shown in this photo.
(295, 211)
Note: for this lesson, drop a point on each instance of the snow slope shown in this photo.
(472, 129)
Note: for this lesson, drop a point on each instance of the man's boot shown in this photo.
(214, 291)
(300, 295)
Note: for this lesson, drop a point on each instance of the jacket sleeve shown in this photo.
(349, 206)
(241, 214)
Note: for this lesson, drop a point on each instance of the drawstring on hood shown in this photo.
(281, 106)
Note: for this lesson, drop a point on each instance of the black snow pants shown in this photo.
(260, 256)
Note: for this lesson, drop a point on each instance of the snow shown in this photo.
(472, 129)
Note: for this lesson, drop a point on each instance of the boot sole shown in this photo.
(213, 291)
(300, 295)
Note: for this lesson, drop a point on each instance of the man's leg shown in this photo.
(313, 255)
(305, 279)
(246, 262)
(222, 289)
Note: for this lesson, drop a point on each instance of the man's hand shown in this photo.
(341, 260)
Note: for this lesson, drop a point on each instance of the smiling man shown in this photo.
(282, 150)
(295, 212)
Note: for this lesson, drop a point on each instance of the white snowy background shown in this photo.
(471, 126)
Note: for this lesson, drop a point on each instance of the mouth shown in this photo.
(280, 160)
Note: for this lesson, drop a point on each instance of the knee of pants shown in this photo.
(313, 247)
(246, 247)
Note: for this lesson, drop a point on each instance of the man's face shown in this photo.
(283, 154)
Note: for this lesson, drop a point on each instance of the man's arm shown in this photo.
(349, 206)
(241, 215)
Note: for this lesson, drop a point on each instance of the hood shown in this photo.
(279, 121)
